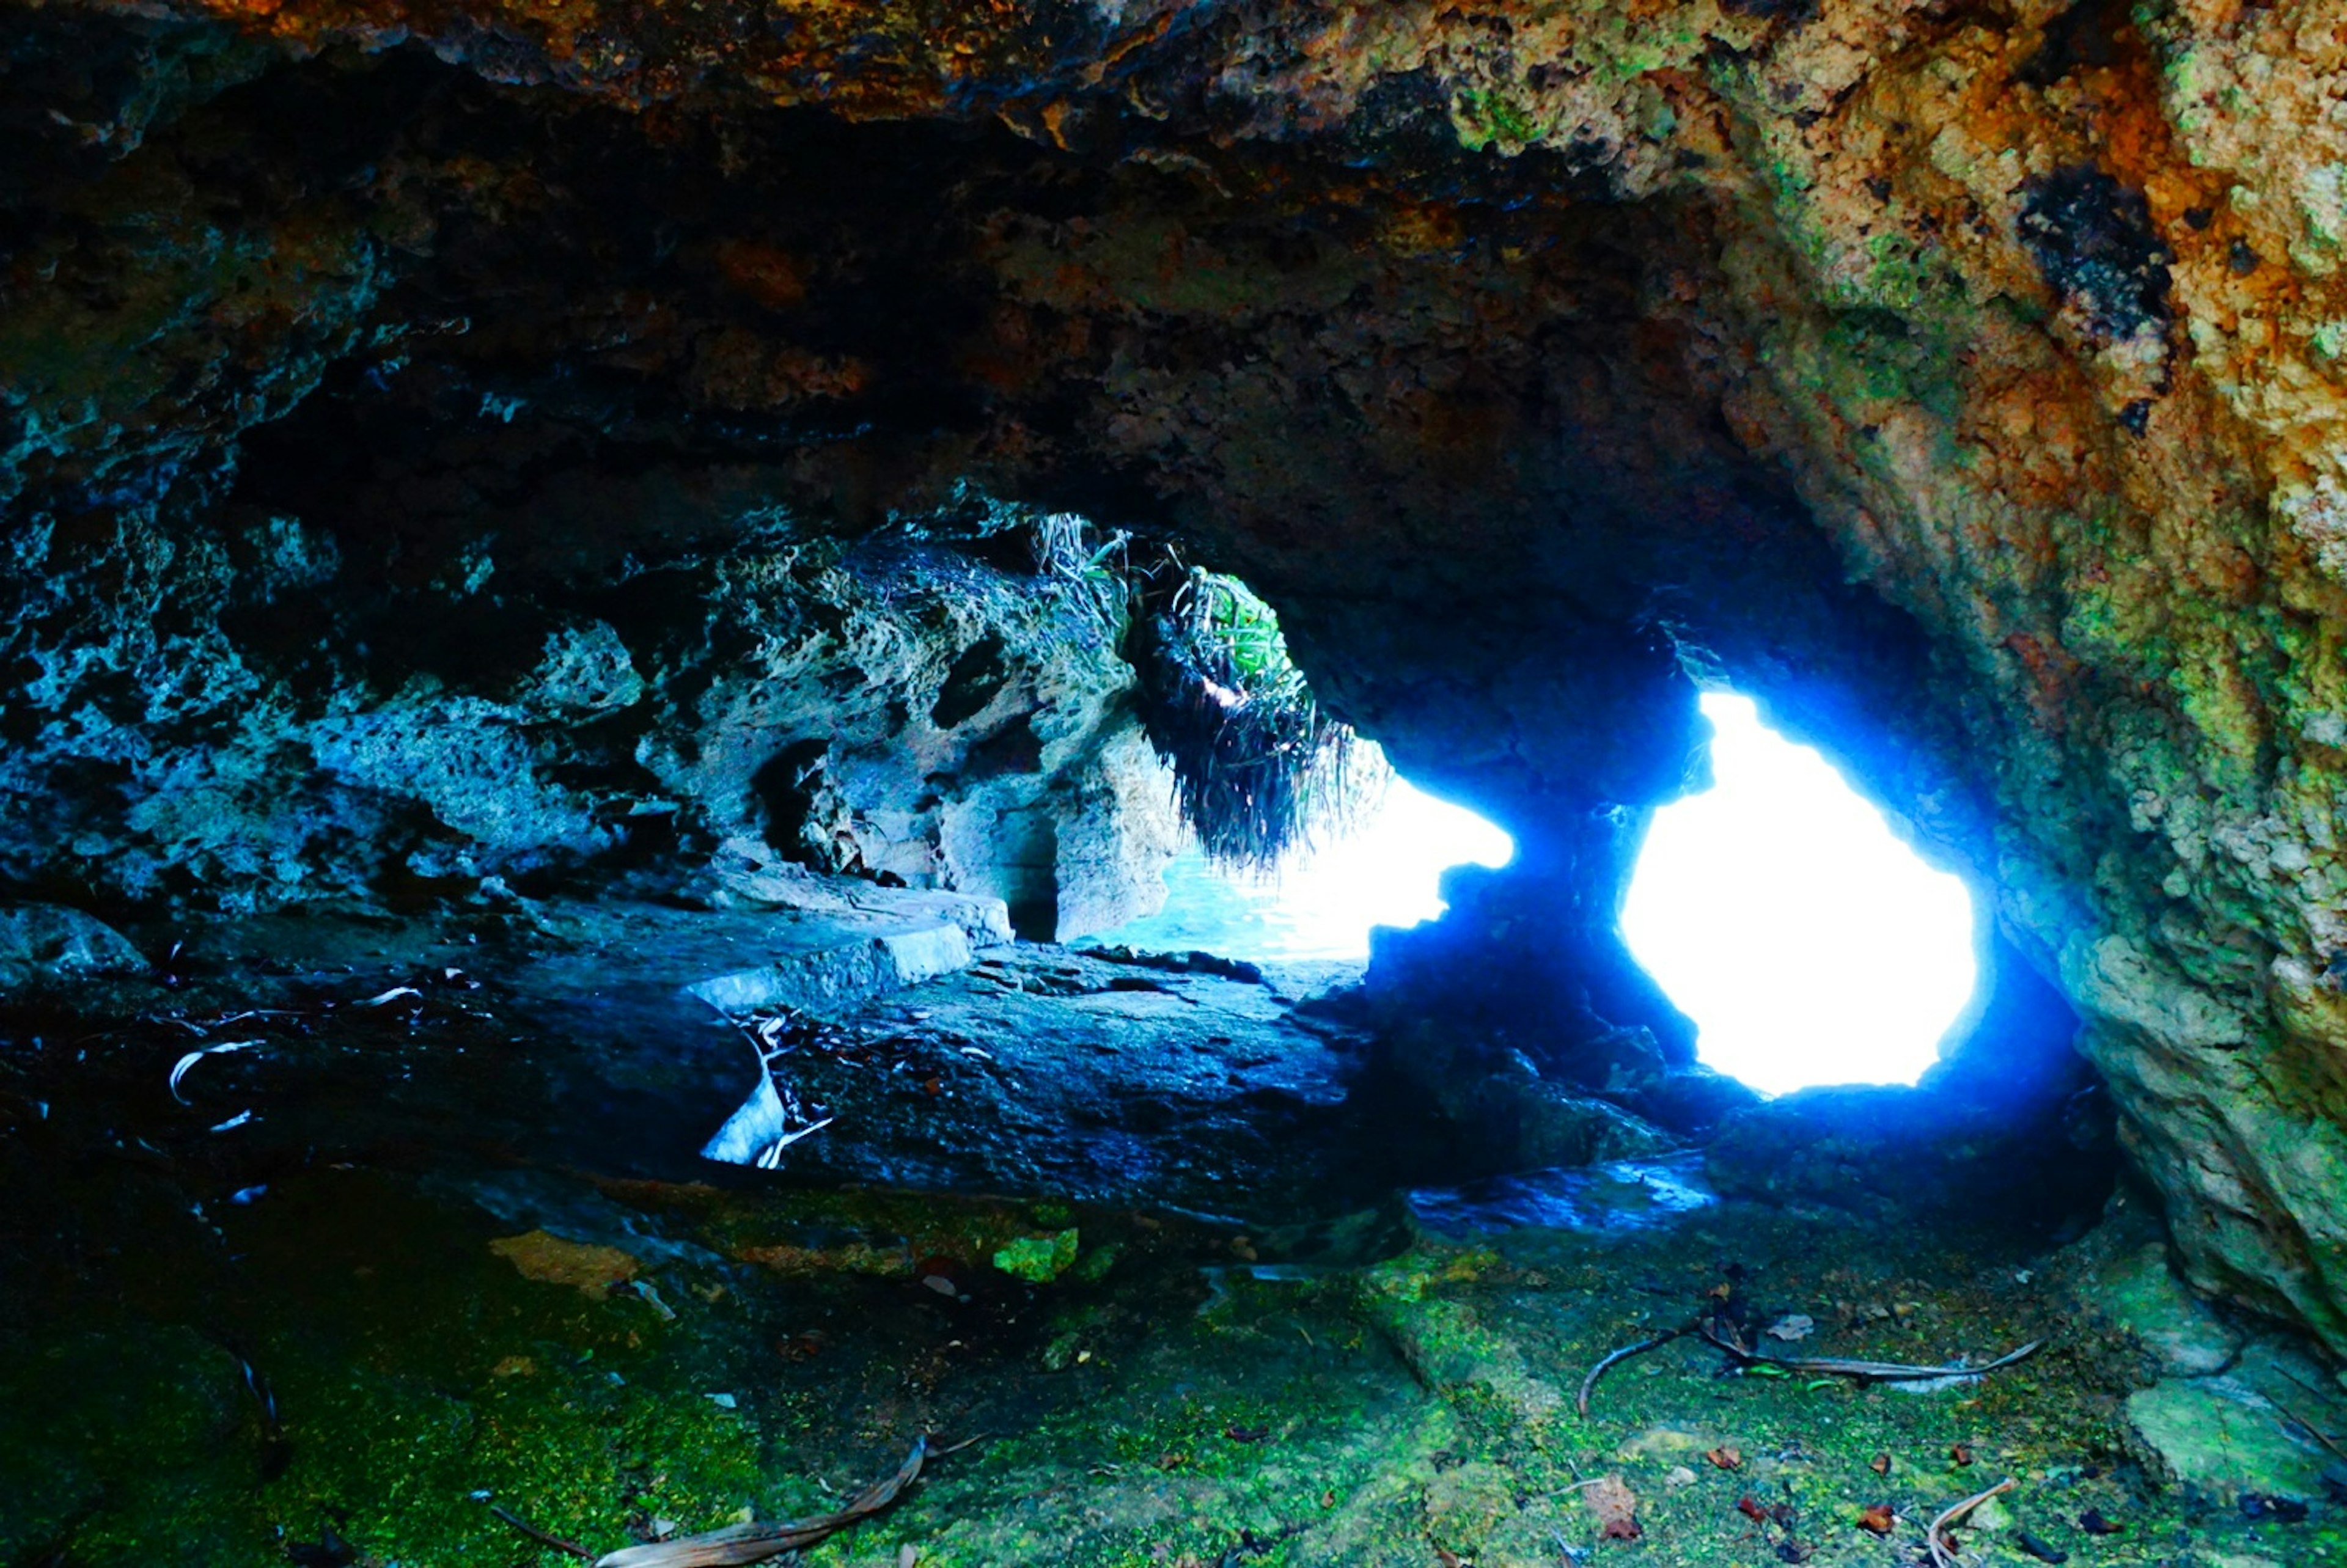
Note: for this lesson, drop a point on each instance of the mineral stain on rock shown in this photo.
(2092, 239)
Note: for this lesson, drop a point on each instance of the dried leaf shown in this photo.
(1878, 1518)
(1750, 1507)
(392, 995)
(180, 1068)
(1961, 1453)
(551, 1259)
(757, 1543)
(1879, 1464)
(1727, 1457)
(1617, 1507)
(1795, 1326)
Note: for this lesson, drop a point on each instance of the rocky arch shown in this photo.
(1952, 377)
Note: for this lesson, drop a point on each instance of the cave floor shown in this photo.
(350, 1338)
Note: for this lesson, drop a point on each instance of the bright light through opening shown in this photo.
(1387, 871)
(1779, 911)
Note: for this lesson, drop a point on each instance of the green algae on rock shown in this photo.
(1038, 1259)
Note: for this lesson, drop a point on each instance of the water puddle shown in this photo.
(1625, 1195)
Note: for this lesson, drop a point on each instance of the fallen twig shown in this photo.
(2317, 1433)
(1944, 1552)
(540, 1536)
(180, 1068)
(756, 1542)
(1623, 1354)
(1880, 1371)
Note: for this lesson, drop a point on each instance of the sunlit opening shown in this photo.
(1386, 870)
(1779, 911)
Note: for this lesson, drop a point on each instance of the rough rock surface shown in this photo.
(247, 715)
(1965, 380)
(39, 941)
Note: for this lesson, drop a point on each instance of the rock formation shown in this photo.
(438, 444)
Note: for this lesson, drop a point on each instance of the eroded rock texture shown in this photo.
(1961, 379)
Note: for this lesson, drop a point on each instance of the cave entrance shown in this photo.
(1383, 866)
(1779, 911)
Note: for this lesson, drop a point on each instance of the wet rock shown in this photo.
(49, 942)
(1880, 1148)
(1542, 1124)
(1631, 1195)
(1499, 1112)
(1692, 1100)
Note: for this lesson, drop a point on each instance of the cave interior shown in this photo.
(606, 603)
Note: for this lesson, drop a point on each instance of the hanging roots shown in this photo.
(1259, 767)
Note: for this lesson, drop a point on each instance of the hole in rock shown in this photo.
(1383, 867)
(1779, 911)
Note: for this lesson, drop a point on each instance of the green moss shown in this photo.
(1482, 117)
(1038, 1259)
(1361, 1418)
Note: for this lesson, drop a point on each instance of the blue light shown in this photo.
(1386, 871)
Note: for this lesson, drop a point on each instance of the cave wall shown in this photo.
(250, 707)
(1960, 378)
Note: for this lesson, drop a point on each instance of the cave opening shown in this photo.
(1779, 911)
(597, 604)
(1383, 866)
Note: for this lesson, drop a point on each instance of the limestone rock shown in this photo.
(1964, 382)
(43, 941)
(1875, 1146)
(2215, 1435)
(2141, 1294)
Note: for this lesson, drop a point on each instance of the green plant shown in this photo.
(1259, 767)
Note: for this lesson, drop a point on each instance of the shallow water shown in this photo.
(1623, 1195)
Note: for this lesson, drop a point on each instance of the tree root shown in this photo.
(1623, 1354)
(1944, 1551)
(1877, 1371)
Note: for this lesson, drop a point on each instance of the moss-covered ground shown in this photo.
(358, 1366)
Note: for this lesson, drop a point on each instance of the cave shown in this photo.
(1783, 915)
(615, 614)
